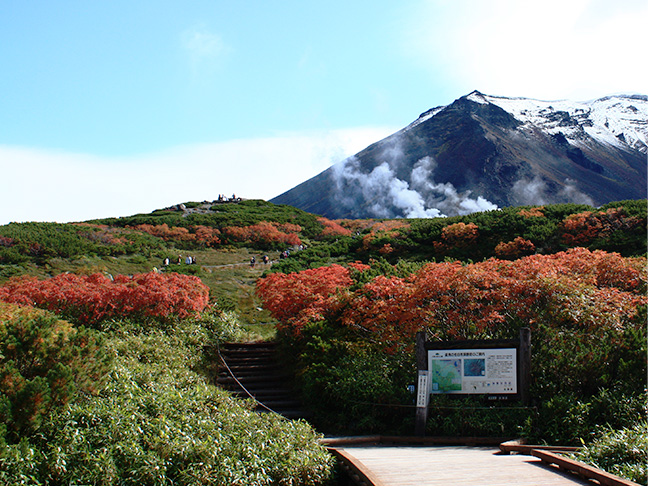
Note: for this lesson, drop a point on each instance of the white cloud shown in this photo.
(58, 186)
(553, 49)
(201, 43)
(203, 49)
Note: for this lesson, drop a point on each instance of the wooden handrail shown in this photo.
(358, 471)
(582, 469)
(521, 447)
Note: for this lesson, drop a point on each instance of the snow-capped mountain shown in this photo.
(616, 120)
(482, 152)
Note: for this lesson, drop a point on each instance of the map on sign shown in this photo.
(473, 371)
(446, 375)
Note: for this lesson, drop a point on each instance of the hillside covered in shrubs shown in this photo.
(106, 326)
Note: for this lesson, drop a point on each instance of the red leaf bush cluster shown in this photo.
(512, 250)
(333, 228)
(457, 235)
(298, 298)
(264, 233)
(203, 234)
(536, 212)
(582, 290)
(583, 228)
(92, 298)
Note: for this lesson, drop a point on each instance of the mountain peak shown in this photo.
(477, 97)
(483, 152)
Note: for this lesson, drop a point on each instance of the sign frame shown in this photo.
(522, 350)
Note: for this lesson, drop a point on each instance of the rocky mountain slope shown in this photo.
(483, 152)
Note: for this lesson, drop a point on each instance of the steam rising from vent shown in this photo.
(535, 191)
(383, 195)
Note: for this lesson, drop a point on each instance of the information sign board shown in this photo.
(498, 369)
(473, 371)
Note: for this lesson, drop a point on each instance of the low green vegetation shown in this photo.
(623, 452)
(155, 419)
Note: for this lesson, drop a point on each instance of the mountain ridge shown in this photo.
(483, 152)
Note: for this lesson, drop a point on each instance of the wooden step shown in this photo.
(255, 367)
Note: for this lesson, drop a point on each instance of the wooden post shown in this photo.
(422, 385)
(525, 364)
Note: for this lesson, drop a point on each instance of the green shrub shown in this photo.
(158, 421)
(45, 363)
(570, 420)
(353, 387)
(623, 452)
(474, 417)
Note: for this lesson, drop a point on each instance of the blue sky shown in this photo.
(114, 108)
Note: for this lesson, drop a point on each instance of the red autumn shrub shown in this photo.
(457, 235)
(264, 233)
(297, 298)
(583, 228)
(207, 235)
(512, 250)
(92, 298)
(588, 292)
(333, 228)
(532, 212)
(166, 233)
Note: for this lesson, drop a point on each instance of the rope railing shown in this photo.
(247, 392)
(432, 407)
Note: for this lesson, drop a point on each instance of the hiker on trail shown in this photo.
(167, 262)
(265, 259)
(252, 261)
(188, 260)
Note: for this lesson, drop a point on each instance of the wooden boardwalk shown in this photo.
(456, 466)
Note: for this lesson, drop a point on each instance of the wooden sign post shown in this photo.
(423, 387)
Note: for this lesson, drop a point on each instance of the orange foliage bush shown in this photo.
(203, 234)
(298, 298)
(457, 235)
(207, 235)
(264, 232)
(389, 225)
(583, 228)
(533, 212)
(92, 298)
(578, 289)
(165, 232)
(332, 228)
(514, 249)
(381, 230)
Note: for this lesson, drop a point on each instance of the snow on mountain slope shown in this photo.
(620, 120)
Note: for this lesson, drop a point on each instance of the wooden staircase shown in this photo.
(252, 370)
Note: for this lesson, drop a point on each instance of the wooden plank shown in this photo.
(459, 466)
(522, 448)
(582, 469)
